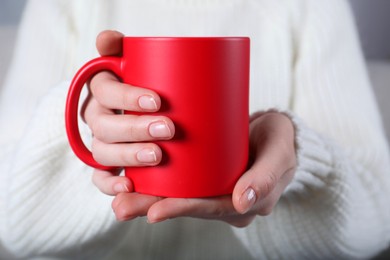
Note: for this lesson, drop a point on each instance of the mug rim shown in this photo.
(186, 38)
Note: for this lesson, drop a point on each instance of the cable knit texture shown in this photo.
(305, 62)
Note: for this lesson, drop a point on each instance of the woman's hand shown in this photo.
(272, 153)
(120, 139)
(256, 193)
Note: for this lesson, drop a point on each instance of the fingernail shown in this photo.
(119, 187)
(147, 155)
(248, 199)
(159, 129)
(147, 102)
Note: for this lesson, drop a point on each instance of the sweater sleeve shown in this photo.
(48, 206)
(39, 62)
(55, 38)
(337, 205)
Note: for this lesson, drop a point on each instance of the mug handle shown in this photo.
(85, 73)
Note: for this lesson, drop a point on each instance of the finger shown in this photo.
(207, 208)
(126, 154)
(111, 184)
(274, 156)
(109, 43)
(128, 206)
(260, 186)
(91, 110)
(219, 208)
(265, 206)
(112, 94)
(131, 128)
(254, 185)
(260, 183)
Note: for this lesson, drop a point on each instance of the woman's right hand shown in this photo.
(119, 139)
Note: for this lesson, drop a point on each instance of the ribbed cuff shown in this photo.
(314, 158)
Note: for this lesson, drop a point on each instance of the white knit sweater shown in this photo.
(305, 60)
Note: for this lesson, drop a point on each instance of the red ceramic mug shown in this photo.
(203, 83)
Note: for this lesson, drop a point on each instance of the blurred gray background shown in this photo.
(372, 19)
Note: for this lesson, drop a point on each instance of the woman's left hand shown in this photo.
(273, 163)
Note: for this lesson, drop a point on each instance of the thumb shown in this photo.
(272, 144)
(109, 43)
(256, 184)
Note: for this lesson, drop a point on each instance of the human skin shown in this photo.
(127, 140)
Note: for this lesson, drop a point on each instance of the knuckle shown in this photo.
(124, 100)
(268, 184)
(100, 84)
(132, 131)
(129, 100)
(96, 84)
(97, 128)
(126, 159)
(96, 148)
(124, 208)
